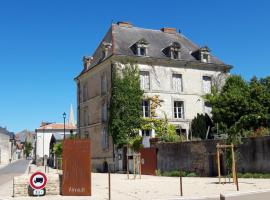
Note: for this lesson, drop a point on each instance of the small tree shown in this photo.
(27, 148)
(200, 125)
(58, 149)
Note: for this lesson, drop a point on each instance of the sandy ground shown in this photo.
(152, 187)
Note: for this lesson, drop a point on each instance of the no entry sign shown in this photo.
(38, 180)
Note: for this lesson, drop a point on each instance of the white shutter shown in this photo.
(177, 82)
(144, 80)
(207, 84)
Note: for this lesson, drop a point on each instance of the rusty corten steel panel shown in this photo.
(149, 161)
(76, 180)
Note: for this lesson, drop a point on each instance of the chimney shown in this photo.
(124, 24)
(169, 30)
(86, 62)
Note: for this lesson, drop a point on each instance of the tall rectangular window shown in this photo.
(85, 116)
(103, 84)
(208, 108)
(207, 83)
(145, 80)
(145, 108)
(178, 109)
(177, 83)
(85, 92)
(105, 139)
(104, 112)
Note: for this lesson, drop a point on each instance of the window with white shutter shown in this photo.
(179, 109)
(145, 108)
(177, 83)
(207, 83)
(145, 80)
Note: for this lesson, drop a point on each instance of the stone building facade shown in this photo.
(171, 66)
(5, 146)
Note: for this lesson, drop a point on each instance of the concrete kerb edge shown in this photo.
(217, 197)
(246, 193)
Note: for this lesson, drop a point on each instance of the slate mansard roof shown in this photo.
(122, 38)
(125, 37)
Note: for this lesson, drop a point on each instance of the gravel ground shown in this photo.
(153, 187)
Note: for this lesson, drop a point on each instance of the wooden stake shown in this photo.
(140, 167)
(109, 182)
(233, 164)
(134, 167)
(218, 162)
(236, 178)
(127, 167)
(181, 185)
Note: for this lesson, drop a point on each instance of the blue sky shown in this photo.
(42, 43)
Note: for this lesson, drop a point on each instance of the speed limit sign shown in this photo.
(38, 181)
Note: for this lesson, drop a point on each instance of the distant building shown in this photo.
(6, 146)
(48, 134)
(171, 66)
(21, 138)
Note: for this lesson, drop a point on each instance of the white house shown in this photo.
(171, 66)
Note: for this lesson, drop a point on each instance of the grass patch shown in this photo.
(177, 174)
(253, 175)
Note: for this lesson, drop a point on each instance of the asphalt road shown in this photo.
(16, 168)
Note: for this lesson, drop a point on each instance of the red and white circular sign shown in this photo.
(38, 180)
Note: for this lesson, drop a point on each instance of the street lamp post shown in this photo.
(64, 116)
(43, 144)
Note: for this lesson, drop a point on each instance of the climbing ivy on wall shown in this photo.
(125, 105)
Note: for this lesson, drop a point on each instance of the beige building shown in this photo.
(6, 146)
(171, 66)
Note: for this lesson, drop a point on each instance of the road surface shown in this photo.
(13, 169)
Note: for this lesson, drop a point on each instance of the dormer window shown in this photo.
(205, 57)
(173, 51)
(140, 47)
(105, 49)
(202, 54)
(141, 51)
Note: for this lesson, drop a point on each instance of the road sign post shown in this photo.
(38, 182)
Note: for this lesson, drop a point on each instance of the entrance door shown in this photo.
(149, 161)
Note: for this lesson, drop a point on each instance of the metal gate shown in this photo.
(149, 161)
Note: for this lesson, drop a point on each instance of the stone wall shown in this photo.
(21, 185)
(200, 156)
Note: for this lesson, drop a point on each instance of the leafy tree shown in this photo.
(125, 106)
(58, 149)
(27, 148)
(242, 107)
(200, 125)
(164, 131)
